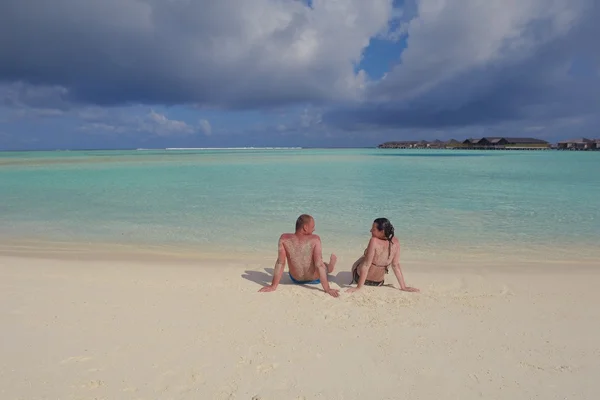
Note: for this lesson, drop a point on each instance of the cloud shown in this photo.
(310, 117)
(36, 113)
(305, 121)
(151, 123)
(290, 70)
(226, 53)
(448, 38)
(205, 128)
(23, 95)
(484, 64)
(399, 21)
(160, 125)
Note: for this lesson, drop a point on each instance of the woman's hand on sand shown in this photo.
(410, 289)
(352, 290)
(269, 288)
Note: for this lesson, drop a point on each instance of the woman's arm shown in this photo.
(363, 269)
(398, 273)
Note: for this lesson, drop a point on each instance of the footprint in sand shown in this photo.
(169, 373)
(95, 384)
(506, 291)
(564, 368)
(265, 368)
(75, 359)
(195, 377)
(530, 365)
(228, 392)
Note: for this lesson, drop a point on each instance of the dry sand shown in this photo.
(125, 329)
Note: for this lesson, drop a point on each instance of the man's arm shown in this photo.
(318, 261)
(399, 275)
(279, 267)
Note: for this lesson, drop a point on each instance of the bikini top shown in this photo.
(379, 266)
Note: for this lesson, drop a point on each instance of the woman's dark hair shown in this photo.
(384, 224)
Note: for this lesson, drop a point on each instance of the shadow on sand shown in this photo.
(342, 278)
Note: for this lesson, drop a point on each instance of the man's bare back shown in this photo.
(303, 252)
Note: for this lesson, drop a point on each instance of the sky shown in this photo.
(86, 74)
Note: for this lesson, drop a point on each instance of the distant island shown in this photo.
(495, 143)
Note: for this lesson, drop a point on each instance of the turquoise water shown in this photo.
(441, 202)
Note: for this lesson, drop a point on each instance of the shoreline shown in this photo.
(188, 255)
(185, 253)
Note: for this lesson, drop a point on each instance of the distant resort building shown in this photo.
(422, 144)
(579, 144)
(503, 143)
(409, 144)
(495, 143)
(486, 143)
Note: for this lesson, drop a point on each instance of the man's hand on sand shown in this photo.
(352, 290)
(410, 289)
(266, 289)
(333, 292)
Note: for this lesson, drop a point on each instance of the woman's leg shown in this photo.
(354, 269)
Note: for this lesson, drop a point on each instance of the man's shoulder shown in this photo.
(286, 236)
(311, 240)
(314, 238)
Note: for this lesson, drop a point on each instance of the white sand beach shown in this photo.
(132, 329)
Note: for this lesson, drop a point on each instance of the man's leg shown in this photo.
(331, 265)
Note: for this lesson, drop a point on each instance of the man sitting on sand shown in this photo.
(303, 252)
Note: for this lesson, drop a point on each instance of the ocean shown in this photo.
(444, 204)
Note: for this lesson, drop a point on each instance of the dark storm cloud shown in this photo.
(230, 53)
(536, 80)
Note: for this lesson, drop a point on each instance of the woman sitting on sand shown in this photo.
(383, 250)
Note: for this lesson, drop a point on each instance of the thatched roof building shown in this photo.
(503, 141)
